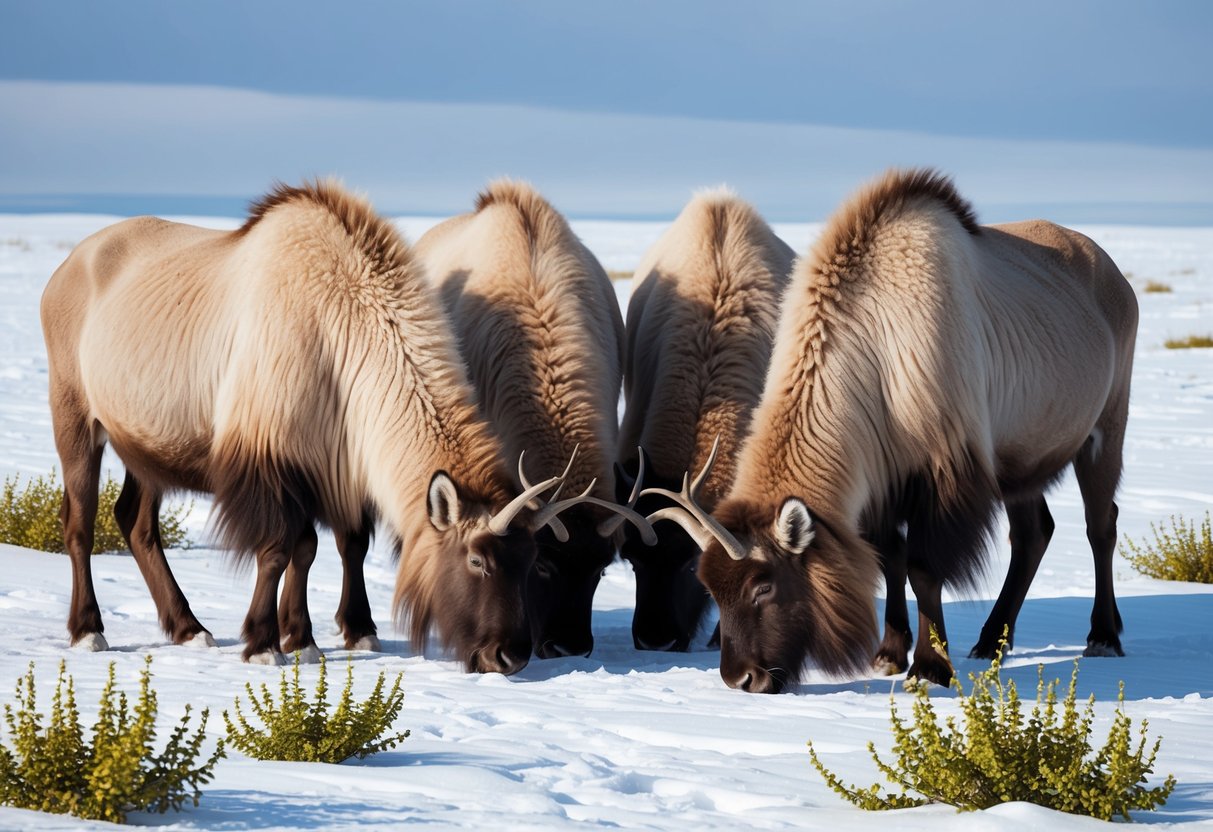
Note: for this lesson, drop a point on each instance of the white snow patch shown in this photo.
(622, 738)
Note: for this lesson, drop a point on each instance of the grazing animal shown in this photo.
(700, 326)
(300, 369)
(925, 369)
(540, 330)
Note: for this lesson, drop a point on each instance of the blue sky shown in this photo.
(1098, 110)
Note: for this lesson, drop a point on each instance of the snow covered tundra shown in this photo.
(622, 738)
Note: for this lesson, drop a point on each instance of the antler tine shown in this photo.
(608, 526)
(705, 522)
(499, 523)
(548, 513)
(707, 467)
(567, 468)
(531, 504)
(693, 527)
(624, 513)
(636, 486)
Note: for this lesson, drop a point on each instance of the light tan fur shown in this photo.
(925, 370)
(700, 328)
(910, 344)
(540, 329)
(306, 342)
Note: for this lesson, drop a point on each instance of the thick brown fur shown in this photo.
(299, 368)
(915, 377)
(540, 330)
(700, 326)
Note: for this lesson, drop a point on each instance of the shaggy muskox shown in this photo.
(300, 369)
(540, 330)
(925, 369)
(699, 331)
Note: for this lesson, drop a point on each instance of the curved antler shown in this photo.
(558, 528)
(700, 525)
(607, 527)
(522, 475)
(548, 515)
(499, 523)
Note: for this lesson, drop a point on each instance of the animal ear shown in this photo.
(794, 526)
(442, 501)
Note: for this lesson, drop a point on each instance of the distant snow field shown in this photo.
(622, 738)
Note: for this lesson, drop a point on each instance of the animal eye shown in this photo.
(544, 570)
(760, 591)
(475, 561)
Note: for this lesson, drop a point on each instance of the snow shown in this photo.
(623, 738)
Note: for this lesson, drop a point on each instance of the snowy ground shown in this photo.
(627, 739)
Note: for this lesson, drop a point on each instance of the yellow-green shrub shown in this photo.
(51, 768)
(1156, 287)
(1189, 343)
(1184, 553)
(30, 517)
(999, 757)
(295, 729)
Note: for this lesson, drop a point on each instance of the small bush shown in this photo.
(306, 732)
(30, 517)
(1184, 553)
(1189, 343)
(999, 757)
(1155, 287)
(51, 768)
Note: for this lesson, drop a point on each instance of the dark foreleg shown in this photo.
(931, 662)
(893, 654)
(1031, 529)
(261, 634)
(294, 621)
(1097, 469)
(137, 512)
(354, 612)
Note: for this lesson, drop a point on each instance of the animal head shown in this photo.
(572, 554)
(563, 582)
(790, 587)
(670, 600)
(466, 570)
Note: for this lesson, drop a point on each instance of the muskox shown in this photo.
(700, 326)
(925, 369)
(300, 369)
(540, 330)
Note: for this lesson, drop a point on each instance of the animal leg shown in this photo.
(929, 664)
(80, 453)
(261, 634)
(893, 654)
(80, 450)
(138, 514)
(294, 620)
(1031, 530)
(1098, 473)
(354, 612)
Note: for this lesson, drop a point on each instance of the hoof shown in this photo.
(939, 674)
(1097, 649)
(266, 657)
(369, 643)
(987, 648)
(885, 666)
(92, 642)
(307, 655)
(200, 640)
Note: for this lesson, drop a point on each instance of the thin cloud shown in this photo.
(81, 138)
